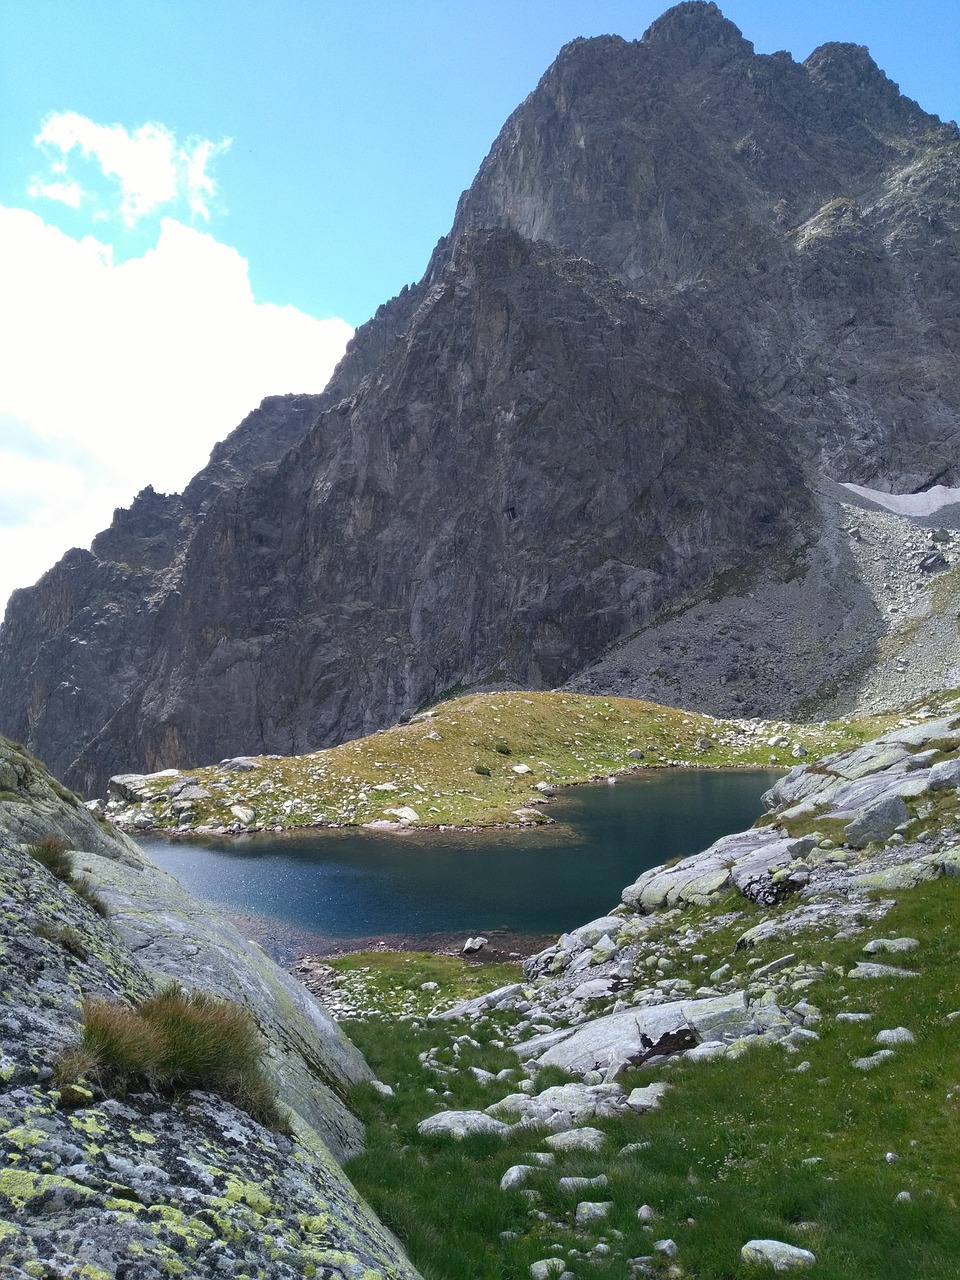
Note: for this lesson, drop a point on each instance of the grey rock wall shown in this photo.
(189, 1185)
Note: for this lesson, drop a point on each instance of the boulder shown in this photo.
(633, 1035)
(863, 969)
(945, 775)
(777, 1255)
(562, 1105)
(585, 1139)
(462, 1124)
(877, 822)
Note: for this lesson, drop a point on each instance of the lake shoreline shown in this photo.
(296, 945)
(388, 828)
(333, 891)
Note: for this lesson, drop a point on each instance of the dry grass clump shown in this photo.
(54, 853)
(174, 1041)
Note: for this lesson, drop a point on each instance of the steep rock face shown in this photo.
(189, 1185)
(542, 464)
(805, 215)
(684, 274)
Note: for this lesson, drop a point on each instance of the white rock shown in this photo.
(582, 1184)
(585, 1139)
(667, 1247)
(703, 1052)
(776, 1254)
(461, 1124)
(405, 812)
(891, 944)
(385, 1090)
(515, 1176)
(546, 1268)
(592, 1210)
(648, 1097)
(896, 1035)
(243, 813)
(522, 768)
(864, 970)
(874, 1060)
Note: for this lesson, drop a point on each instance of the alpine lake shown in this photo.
(336, 889)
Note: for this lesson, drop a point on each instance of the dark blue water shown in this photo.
(352, 884)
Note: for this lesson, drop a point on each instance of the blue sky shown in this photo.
(189, 187)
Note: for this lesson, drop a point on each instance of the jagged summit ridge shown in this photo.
(686, 278)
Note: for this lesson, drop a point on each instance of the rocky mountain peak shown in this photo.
(695, 32)
(849, 77)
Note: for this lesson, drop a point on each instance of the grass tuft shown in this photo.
(65, 936)
(175, 1041)
(54, 853)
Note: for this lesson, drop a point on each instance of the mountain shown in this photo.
(689, 288)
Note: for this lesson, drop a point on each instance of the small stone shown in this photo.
(647, 1098)
(592, 1210)
(902, 1197)
(515, 1176)
(865, 970)
(546, 1268)
(582, 1184)
(461, 1124)
(75, 1095)
(775, 965)
(646, 1213)
(585, 1139)
(668, 1248)
(874, 1060)
(890, 944)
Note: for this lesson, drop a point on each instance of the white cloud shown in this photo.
(119, 375)
(150, 169)
(70, 193)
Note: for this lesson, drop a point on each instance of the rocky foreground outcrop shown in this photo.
(147, 1185)
(686, 278)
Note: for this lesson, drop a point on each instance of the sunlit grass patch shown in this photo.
(477, 759)
(390, 983)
